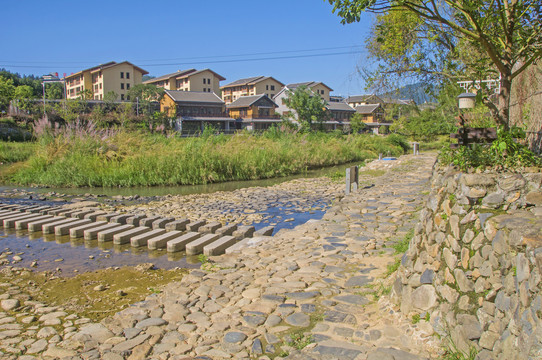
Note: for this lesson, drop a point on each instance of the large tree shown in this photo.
(309, 107)
(507, 32)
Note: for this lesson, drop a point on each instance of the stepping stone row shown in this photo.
(154, 232)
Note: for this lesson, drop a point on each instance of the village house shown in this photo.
(318, 88)
(372, 116)
(102, 79)
(339, 115)
(251, 86)
(357, 100)
(193, 110)
(256, 112)
(204, 80)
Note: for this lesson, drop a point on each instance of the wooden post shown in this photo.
(352, 179)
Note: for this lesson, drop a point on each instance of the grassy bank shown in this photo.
(133, 159)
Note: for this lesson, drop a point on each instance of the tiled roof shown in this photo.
(107, 65)
(220, 77)
(308, 84)
(339, 106)
(194, 96)
(246, 101)
(250, 81)
(167, 76)
(367, 109)
(357, 98)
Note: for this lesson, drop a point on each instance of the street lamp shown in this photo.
(466, 100)
(49, 78)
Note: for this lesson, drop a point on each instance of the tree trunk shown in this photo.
(503, 101)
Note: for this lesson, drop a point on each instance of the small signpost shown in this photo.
(466, 136)
(352, 179)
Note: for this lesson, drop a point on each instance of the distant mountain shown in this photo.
(415, 92)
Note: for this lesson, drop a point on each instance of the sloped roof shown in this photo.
(367, 109)
(168, 76)
(194, 96)
(246, 101)
(309, 84)
(339, 106)
(361, 98)
(105, 66)
(220, 77)
(250, 81)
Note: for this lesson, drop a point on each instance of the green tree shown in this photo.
(356, 123)
(54, 91)
(507, 33)
(309, 107)
(7, 92)
(144, 94)
(23, 93)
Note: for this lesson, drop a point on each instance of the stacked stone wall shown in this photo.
(474, 266)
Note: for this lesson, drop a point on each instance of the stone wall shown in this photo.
(474, 266)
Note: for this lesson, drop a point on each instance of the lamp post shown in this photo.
(465, 101)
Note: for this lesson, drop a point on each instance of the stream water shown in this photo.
(50, 252)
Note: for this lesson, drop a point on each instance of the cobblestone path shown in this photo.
(318, 291)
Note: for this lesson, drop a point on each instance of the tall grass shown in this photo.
(11, 152)
(130, 159)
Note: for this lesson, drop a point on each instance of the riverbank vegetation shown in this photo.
(85, 155)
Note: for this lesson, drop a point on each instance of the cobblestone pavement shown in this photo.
(315, 292)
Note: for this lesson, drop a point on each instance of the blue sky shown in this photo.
(163, 36)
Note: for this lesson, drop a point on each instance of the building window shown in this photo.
(272, 87)
(100, 86)
(127, 86)
(122, 86)
(121, 75)
(272, 95)
(122, 97)
(266, 87)
(127, 75)
(128, 97)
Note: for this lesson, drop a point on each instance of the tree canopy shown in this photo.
(508, 35)
(309, 107)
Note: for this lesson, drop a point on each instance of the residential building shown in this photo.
(102, 79)
(255, 112)
(205, 80)
(251, 86)
(316, 87)
(339, 115)
(195, 109)
(372, 113)
(357, 100)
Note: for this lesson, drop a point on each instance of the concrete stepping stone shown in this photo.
(161, 223)
(195, 225)
(243, 232)
(108, 234)
(125, 236)
(55, 211)
(46, 211)
(67, 212)
(81, 214)
(219, 246)
(11, 215)
(92, 234)
(39, 209)
(196, 247)
(4, 212)
(92, 216)
(211, 227)
(79, 231)
(247, 242)
(106, 217)
(179, 225)
(134, 220)
(266, 231)
(227, 230)
(120, 219)
(65, 228)
(179, 243)
(10, 222)
(23, 224)
(160, 241)
(37, 225)
(49, 228)
(147, 221)
(141, 240)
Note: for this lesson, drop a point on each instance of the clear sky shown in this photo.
(162, 36)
